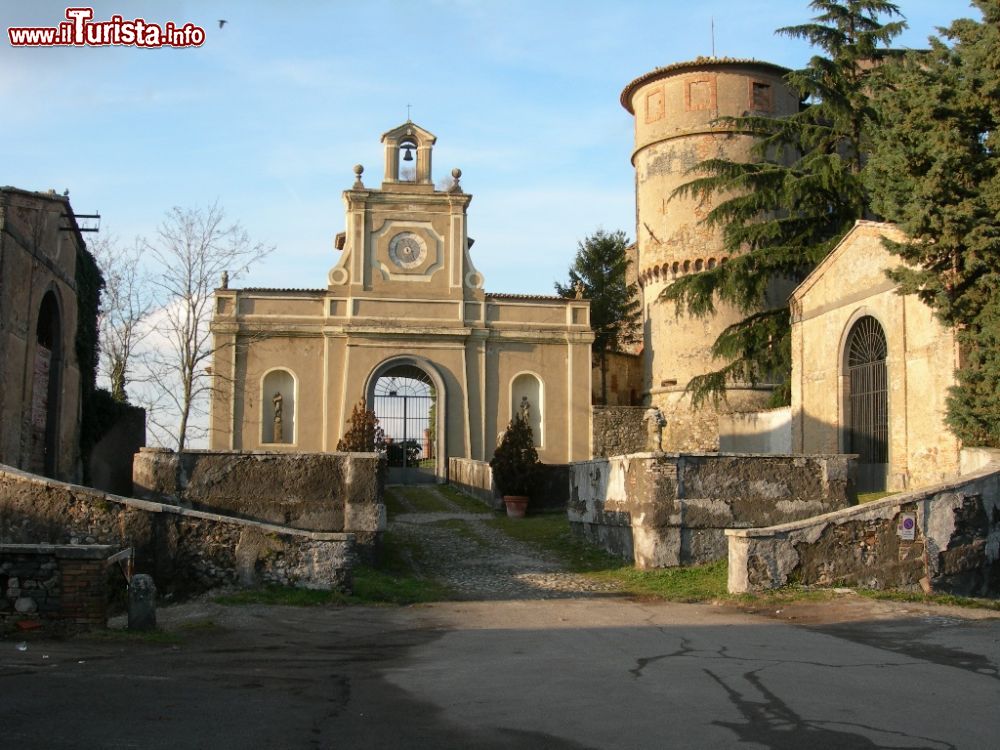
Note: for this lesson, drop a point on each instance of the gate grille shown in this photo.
(404, 404)
(869, 395)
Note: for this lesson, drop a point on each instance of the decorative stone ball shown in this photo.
(456, 173)
(358, 169)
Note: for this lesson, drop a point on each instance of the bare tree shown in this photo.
(125, 303)
(193, 248)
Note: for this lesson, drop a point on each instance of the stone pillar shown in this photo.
(141, 603)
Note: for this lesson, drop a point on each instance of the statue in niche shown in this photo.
(655, 422)
(525, 410)
(277, 400)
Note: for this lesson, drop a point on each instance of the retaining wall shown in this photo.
(186, 551)
(667, 509)
(308, 491)
(756, 431)
(953, 541)
(619, 430)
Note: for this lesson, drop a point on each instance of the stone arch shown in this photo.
(279, 380)
(865, 398)
(529, 385)
(47, 385)
(711, 263)
(698, 264)
(409, 365)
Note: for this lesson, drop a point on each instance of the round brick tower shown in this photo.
(674, 109)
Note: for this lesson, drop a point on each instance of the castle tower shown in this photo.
(675, 108)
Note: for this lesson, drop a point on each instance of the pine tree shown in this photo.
(599, 274)
(935, 171)
(782, 214)
(364, 435)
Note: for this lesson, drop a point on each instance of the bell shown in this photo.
(407, 153)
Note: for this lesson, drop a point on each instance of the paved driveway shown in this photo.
(586, 669)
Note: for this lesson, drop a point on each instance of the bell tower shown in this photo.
(406, 240)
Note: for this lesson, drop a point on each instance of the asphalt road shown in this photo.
(577, 673)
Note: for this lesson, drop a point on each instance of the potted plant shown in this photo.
(514, 465)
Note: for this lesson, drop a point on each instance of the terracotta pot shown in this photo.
(516, 505)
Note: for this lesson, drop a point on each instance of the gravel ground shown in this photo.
(478, 561)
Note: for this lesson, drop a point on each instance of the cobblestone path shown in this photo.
(457, 547)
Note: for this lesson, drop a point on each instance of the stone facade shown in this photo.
(768, 431)
(186, 551)
(953, 543)
(405, 301)
(58, 587)
(40, 244)
(308, 491)
(668, 509)
(619, 430)
(676, 109)
(847, 290)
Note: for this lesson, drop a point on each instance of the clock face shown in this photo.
(407, 250)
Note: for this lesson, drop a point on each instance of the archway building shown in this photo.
(405, 299)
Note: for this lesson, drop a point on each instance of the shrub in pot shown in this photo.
(515, 466)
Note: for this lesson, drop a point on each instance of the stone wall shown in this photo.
(475, 478)
(58, 587)
(955, 543)
(668, 509)
(308, 491)
(756, 431)
(186, 551)
(619, 430)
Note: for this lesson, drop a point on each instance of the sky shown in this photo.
(269, 115)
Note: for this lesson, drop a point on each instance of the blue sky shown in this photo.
(272, 112)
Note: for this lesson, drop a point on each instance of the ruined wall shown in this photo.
(663, 510)
(309, 491)
(955, 543)
(619, 430)
(186, 551)
(756, 431)
(58, 587)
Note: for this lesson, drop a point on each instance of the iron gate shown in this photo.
(404, 405)
(868, 432)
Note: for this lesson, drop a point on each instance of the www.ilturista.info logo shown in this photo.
(79, 30)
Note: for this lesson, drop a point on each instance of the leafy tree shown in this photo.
(598, 273)
(783, 213)
(935, 171)
(364, 435)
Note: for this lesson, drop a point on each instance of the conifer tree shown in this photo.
(782, 214)
(935, 171)
(364, 434)
(599, 274)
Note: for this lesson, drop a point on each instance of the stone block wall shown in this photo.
(669, 509)
(186, 551)
(308, 491)
(955, 543)
(60, 587)
(619, 430)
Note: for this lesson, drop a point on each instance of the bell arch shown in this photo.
(407, 394)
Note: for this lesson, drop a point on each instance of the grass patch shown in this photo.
(284, 595)
(415, 500)
(946, 599)
(467, 503)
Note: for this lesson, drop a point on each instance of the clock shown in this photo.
(407, 250)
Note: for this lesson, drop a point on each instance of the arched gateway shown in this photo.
(405, 324)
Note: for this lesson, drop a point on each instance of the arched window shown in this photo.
(867, 402)
(527, 396)
(278, 408)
